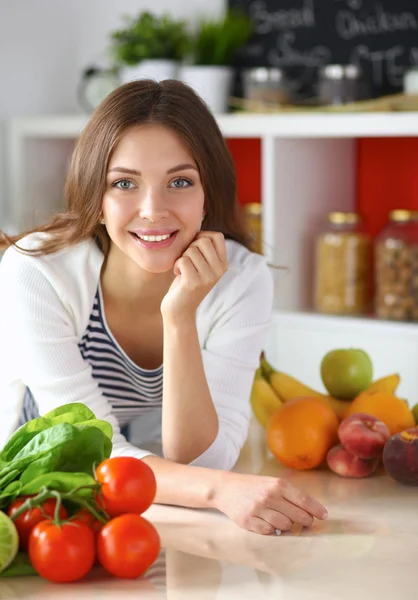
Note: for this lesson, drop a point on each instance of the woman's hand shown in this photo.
(265, 504)
(199, 268)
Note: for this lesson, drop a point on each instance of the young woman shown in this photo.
(143, 300)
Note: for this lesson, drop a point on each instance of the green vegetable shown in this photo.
(61, 482)
(20, 566)
(68, 439)
(68, 413)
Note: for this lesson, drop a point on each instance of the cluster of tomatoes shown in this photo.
(124, 543)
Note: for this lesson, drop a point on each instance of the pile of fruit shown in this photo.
(355, 428)
(67, 506)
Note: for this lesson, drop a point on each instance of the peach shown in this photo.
(363, 435)
(400, 457)
(345, 464)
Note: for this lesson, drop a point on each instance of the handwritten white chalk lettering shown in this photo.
(286, 18)
(350, 25)
(286, 55)
(353, 4)
(382, 61)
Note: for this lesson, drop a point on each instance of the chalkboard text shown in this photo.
(350, 25)
(285, 18)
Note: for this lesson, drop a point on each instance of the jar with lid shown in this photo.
(253, 216)
(266, 87)
(343, 266)
(396, 267)
(341, 84)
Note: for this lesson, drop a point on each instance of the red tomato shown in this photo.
(85, 516)
(62, 553)
(127, 546)
(128, 485)
(27, 520)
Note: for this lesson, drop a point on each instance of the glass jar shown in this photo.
(396, 267)
(343, 266)
(253, 212)
(266, 87)
(341, 84)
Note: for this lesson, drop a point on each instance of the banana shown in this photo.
(387, 384)
(288, 388)
(264, 400)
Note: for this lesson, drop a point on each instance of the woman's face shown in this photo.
(153, 204)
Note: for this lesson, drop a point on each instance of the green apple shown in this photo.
(415, 413)
(346, 372)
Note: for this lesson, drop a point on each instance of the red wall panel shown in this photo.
(247, 158)
(387, 178)
(387, 175)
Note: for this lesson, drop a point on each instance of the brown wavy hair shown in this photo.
(171, 104)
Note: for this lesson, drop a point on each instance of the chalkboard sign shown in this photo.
(301, 35)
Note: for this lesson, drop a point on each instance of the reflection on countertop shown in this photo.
(367, 548)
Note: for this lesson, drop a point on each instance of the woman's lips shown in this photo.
(154, 245)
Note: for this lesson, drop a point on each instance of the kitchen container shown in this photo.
(396, 267)
(253, 212)
(342, 266)
(266, 86)
(341, 84)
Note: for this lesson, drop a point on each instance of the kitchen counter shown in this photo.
(366, 549)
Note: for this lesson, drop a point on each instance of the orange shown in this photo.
(390, 409)
(300, 434)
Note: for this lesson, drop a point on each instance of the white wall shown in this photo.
(45, 45)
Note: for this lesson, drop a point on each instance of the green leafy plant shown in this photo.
(150, 36)
(217, 41)
(56, 451)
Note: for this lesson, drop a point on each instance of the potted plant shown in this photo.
(213, 48)
(149, 46)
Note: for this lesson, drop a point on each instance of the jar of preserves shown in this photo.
(253, 212)
(396, 267)
(343, 266)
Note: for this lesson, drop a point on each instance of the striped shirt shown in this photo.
(131, 390)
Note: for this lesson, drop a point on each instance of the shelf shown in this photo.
(253, 125)
(311, 320)
(298, 341)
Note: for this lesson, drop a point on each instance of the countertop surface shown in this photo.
(366, 549)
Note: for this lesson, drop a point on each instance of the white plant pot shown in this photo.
(157, 69)
(213, 84)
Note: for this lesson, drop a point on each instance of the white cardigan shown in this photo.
(45, 304)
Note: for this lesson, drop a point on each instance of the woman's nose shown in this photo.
(152, 205)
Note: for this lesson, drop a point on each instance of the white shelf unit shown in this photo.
(308, 168)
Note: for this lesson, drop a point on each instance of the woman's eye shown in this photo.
(124, 184)
(181, 182)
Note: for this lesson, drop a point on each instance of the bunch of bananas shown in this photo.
(272, 388)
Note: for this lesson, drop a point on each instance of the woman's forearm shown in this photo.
(189, 420)
(183, 485)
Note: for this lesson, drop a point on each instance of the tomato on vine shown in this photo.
(127, 546)
(62, 552)
(128, 485)
(28, 519)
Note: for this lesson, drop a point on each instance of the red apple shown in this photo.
(363, 435)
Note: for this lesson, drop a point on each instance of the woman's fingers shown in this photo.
(277, 519)
(258, 525)
(218, 241)
(293, 512)
(198, 260)
(303, 501)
